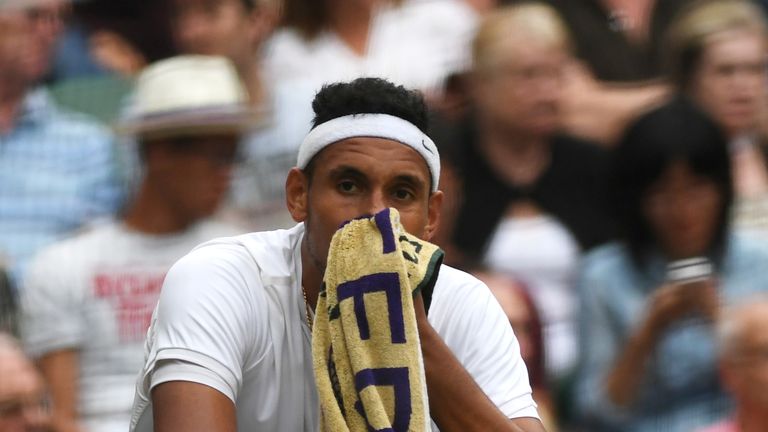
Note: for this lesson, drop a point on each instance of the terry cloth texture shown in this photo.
(365, 343)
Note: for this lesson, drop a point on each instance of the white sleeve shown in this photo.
(207, 317)
(473, 325)
(52, 316)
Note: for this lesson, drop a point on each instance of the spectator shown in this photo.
(237, 29)
(57, 168)
(524, 319)
(547, 194)
(337, 40)
(718, 57)
(621, 45)
(648, 360)
(742, 341)
(23, 404)
(87, 301)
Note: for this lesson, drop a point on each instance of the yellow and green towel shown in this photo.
(365, 343)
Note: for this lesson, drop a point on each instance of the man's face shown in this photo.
(730, 82)
(193, 173)
(357, 177)
(214, 27)
(22, 395)
(28, 38)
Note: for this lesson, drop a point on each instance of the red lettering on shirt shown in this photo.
(133, 296)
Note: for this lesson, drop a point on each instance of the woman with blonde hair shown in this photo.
(547, 202)
(718, 53)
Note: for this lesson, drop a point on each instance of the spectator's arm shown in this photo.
(666, 305)
(60, 370)
(600, 111)
(53, 327)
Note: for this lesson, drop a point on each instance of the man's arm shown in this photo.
(456, 402)
(192, 407)
(203, 331)
(60, 370)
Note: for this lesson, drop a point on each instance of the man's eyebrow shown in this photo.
(346, 171)
(411, 179)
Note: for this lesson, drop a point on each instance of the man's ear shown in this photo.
(434, 206)
(296, 194)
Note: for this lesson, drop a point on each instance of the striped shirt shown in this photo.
(57, 172)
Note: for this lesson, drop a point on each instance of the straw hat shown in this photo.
(189, 94)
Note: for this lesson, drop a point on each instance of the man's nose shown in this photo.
(376, 202)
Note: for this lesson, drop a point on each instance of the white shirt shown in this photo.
(541, 253)
(95, 293)
(232, 316)
(417, 44)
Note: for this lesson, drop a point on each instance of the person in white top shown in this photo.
(229, 348)
(88, 300)
(415, 43)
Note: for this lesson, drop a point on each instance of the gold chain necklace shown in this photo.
(307, 309)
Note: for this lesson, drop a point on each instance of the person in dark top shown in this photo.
(620, 40)
(522, 199)
(620, 47)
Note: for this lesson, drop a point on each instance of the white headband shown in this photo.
(371, 125)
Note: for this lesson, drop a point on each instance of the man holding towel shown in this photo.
(230, 346)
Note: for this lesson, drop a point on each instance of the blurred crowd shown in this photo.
(605, 165)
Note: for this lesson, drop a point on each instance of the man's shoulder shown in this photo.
(453, 278)
(455, 287)
(271, 251)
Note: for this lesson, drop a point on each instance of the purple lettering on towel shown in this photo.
(385, 228)
(389, 283)
(398, 379)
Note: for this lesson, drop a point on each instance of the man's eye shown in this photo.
(347, 186)
(403, 194)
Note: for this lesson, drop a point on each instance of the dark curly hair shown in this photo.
(369, 96)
